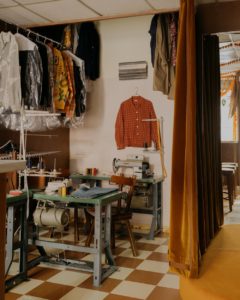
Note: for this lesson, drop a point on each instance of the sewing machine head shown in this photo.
(138, 163)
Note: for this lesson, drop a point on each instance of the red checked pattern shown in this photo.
(130, 129)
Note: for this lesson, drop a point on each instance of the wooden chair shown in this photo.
(121, 211)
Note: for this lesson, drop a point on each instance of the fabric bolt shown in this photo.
(89, 49)
(94, 192)
(31, 71)
(60, 81)
(10, 81)
(130, 129)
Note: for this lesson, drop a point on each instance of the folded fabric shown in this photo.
(94, 192)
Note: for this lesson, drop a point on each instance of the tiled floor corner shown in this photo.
(145, 277)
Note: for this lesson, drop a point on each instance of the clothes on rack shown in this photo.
(10, 82)
(163, 31)
(31, 71)
(89, 49)
(40, 76)
(131, 129)
(235, 95)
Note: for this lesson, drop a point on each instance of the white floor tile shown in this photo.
(121, 273)
(169, 281)
(69, 278)
(52, 266)
(90, 257)
(122, 244)
(133, 289)
(26, 286)
(162, 249)
(14, 269)
(142, 254)
(153, 266)
(84, 294)
(156, 241)
(27, 297)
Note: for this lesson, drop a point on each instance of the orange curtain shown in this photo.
(183, 244)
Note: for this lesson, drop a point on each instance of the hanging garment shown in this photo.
(46, 96)
(161, 67)
(51, 75)
(89, 49)
(152, 31)
(165, 54)
(80, 84)
(130, 129)
(70, 101)
(31, 71)
(60, 92)
(10, 82)
(235, 96)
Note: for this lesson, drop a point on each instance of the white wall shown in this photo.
(93, 145)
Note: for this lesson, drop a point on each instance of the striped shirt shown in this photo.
(130, 129)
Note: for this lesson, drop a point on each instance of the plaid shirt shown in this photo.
(130, 129)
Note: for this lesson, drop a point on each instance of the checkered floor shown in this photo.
(142, 277)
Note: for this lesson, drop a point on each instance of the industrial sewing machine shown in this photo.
(138, 164)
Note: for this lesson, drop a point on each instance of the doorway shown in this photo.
(229, 48)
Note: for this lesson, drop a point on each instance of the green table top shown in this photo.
(102, 200)
(14, 199)
(105, 177)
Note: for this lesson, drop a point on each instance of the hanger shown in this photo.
(136, 91)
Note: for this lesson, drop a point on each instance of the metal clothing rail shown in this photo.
(31, 32)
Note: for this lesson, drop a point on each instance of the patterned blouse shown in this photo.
(130, 128)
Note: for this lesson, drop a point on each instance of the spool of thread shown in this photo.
(63, 191)
(51, 217)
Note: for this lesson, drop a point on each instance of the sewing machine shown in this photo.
(138, 163)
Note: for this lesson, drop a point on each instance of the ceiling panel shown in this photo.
(113, 7)
(164, 4)
(34, 1)
(20, 16)
(6, 3)
(62, 10)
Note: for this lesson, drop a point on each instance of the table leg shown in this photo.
(97, 264)
(9, 248)
(108, 251)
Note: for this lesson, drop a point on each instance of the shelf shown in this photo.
(39, 175)
(7, 166)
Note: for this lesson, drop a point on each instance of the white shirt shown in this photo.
(10, 82)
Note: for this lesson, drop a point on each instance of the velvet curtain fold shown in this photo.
(183, 243)
(196, 188)
(210, 202)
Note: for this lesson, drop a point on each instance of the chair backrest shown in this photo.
(125, 184)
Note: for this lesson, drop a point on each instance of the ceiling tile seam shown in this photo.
(89, 7)
(33, 12)
(8, 6)
(150, 4)
(37, 2)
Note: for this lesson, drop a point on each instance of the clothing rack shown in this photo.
(29, 32)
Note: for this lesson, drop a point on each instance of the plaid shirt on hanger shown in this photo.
(130, 129)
